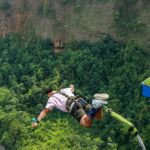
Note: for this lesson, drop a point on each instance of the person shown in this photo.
(66, 101)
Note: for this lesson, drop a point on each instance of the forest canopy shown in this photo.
(28, 67)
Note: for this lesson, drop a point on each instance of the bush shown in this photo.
(5, 6)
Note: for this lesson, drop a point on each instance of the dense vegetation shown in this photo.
(27, 67)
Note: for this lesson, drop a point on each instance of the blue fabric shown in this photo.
(145, 90)
(92, 112)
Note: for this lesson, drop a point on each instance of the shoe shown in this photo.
(97, 103)
(101, 96)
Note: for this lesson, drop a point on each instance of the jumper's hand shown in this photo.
(72, 87)
(34, 124)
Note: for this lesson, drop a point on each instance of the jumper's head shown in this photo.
(50, 92)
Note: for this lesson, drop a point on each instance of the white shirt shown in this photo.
(58, 100)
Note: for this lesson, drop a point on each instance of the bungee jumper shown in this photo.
(66, 101)
(83, 112)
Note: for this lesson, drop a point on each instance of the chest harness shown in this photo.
(76, 105)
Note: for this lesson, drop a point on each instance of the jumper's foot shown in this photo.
(101, 96)
(100, 100)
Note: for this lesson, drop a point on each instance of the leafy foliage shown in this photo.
(4, 6)
(125, 18)
(27, 68)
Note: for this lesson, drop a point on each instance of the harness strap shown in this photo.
(56, 97)
(69, 97)
(71, 106)
(70, 100)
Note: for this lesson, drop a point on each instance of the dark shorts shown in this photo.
(79, 108)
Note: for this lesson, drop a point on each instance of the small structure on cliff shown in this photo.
(58, 46)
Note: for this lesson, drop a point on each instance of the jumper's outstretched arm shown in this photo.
(40, 117)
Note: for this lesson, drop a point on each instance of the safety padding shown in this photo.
(145, 88)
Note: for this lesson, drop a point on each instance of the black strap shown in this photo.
(56, 97)
(131, 129)
(70, 100)
(69, 97)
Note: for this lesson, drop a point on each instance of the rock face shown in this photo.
(2, 148)
(71, 20)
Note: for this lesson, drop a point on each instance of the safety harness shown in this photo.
(76, 105)
(71, 101)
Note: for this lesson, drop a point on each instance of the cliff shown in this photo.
(70, 20)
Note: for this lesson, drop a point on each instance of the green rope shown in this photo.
(130, 127)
